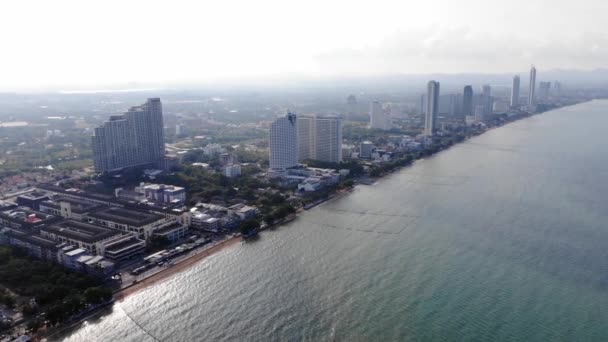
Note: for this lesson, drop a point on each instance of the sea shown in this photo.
(503, 237)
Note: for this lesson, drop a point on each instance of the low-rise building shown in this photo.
(124, 247)
(32, 200)
(365, 150)
(310, 184)
(87, 236)
(161, 193)
(172, 232)
(245, 212)
(140, 223)
(33, 244)
(232, 171)
(26, 219)
(206, 222)
(70, 208)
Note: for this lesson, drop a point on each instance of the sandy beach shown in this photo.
(171, 271)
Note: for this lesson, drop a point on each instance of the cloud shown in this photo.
(460, 49)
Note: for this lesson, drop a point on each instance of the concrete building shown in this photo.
(283, 143)
(467, 100)
(488, 100)
(205, 222)
(320, 138)
(34, 245)
(515, 92)
(25, 219)
(366, 149)
(544, 90)
(68, 208)
(161, 193)
(32, 199)
(172, 232)
(232, 171)
(136, 222)
(134, 138)
(378, 119)
(557, 89)
(432, 108)
(532, 87)
(89, 237)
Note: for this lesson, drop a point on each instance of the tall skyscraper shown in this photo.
(135, 138)
(432, 108)
(488, 101)
(515, 92)
(284, 143)
(378, 119)
(467, 100)
(320, 138)
(352, 107)
(544, 90)
(532, 89)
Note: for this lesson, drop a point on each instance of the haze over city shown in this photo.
(119, 43)
(303, 171)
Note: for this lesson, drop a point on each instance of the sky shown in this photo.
(100, 42)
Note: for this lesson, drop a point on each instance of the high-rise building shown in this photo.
(544, 90)
(284, 143)
(320, 138)
(515, 92)
(488, 101)
(432, 108)
(352, 106)
(134, 138)
(378, 119)
(557, 89)
(532, 89)
(467, 101)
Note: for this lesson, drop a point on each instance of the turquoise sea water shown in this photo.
(501, 238)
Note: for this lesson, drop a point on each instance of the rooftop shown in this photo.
(77, 192)
(80, 231)
(169, 228)
(33, 239)
(78, 206)
(27, 216)
(34, 195)
(124, 244)
(130, 217)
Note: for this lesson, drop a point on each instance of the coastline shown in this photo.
(185, 264)
(169, 272)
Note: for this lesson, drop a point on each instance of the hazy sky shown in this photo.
(94, 42)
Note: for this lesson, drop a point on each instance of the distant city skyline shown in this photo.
(211, 41)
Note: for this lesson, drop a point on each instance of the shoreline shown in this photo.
(169, 272)
(183, 265)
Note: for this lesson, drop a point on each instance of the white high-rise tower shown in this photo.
(532, 89)
(432, 107)
(515, 92)
(284, 143)
(377, 118)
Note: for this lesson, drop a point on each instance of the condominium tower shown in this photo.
(134, 138)
(515, 92)
(432, 107)
(532, 89)
(320, 138)
(467, 100)
(377, 118)
(284, 143)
